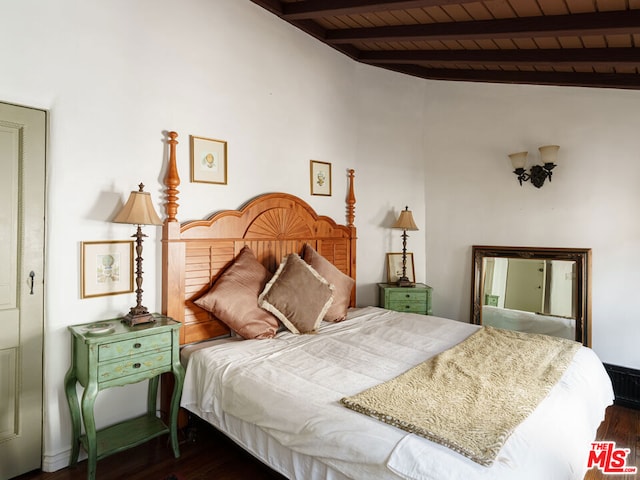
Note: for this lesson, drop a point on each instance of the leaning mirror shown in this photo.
(531, 289)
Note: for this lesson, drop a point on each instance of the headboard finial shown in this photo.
(172, 180)
(351, 200)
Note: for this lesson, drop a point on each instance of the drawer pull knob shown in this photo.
(407, 306)
(136, 365)
(137, 345)
(407, 295)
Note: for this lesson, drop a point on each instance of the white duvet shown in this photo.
(286, 391)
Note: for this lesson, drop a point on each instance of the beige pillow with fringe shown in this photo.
(342, 283)
(297, 295)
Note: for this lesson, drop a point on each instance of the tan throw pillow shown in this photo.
(297, 295)
(233, 298)
(343, 283)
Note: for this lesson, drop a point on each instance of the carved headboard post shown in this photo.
(351, 200)
(173, 251)
(172, 180)
(351, 218)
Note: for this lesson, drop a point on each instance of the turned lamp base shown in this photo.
(138, 211)
(137, 316)
(405, 282)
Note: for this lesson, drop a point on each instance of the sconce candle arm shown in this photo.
(548, 167)
(522, 174)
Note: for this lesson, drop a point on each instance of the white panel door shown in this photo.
(525, 285)
(22, 181)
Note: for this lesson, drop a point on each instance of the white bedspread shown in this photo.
(290, 388)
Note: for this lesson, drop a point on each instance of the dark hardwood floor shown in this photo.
(210, 455)
(205, 454)
(621, 425)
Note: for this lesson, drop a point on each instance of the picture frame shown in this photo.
(320, 176)
(394, 267)
(106, 268)
(208, 160)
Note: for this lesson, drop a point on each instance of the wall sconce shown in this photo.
(538, 173)
(138, 211)
(405, 222)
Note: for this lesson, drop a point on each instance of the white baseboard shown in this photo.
(53, 463)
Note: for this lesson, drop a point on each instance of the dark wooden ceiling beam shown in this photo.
(329, 8)
(601, 23)
(316, 30)
(591, 57)
(576, 79)
(274, 6)
(308, 26)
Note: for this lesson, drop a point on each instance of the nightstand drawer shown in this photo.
(134, 346)
(407, 295)
(413, 307)
(133, 365)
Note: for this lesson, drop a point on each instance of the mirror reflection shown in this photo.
(528, 295)
(535, 290)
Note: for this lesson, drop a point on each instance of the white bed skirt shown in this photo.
(269, 451)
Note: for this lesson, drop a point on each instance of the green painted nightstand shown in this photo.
(406, 299)
(112, 354)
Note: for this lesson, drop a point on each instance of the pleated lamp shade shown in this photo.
(405, 221)
(138, 210)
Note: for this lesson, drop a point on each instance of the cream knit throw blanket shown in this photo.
(471, 397)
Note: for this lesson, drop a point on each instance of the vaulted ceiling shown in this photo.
(591, 43)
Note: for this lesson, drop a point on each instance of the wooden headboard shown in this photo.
(274, 225)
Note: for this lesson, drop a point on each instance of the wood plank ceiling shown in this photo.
(590, 43)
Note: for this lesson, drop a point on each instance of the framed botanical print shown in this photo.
(107, 268)
(320, 178)
(394, 267)
(208, 160)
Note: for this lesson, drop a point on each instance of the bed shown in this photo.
(288, 398)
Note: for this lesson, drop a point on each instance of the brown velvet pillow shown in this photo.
(297, 295)
(343, 283)
(233, 298)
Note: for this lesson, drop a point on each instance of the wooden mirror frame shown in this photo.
(582, 257)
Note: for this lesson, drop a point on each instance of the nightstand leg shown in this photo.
(74, 408)
(152, 395)
(88, 401)
(178, 374)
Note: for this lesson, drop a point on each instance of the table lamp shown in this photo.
(405, 222)
(138, 211)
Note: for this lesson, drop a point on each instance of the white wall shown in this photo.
(115, 75)
(472, 196)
